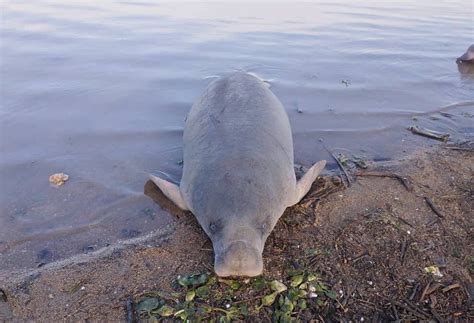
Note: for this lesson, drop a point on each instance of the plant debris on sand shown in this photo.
(204, 297)
(378, 250)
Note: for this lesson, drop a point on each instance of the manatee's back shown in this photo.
(238, 149)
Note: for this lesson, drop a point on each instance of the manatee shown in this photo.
(468, 56)
(238, 175)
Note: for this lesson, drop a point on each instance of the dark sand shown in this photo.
(377, 237)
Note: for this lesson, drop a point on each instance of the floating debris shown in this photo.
(360, 162)
(340, 164)
(429, 133)
(346, 82)
(342, 159)
(58, 179)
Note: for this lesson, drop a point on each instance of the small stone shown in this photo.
(3, 296)
(336, 180)
(88, 249)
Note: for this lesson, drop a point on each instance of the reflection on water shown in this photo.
(100, 90)
(466, 69)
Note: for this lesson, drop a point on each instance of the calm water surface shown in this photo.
(100, 90)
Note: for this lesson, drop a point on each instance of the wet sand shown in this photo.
(378, 235)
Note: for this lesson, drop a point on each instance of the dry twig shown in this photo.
(402, 179)
(433, 207)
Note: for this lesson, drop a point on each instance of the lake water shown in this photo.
(99, 90)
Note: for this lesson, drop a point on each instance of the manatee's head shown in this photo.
(238, 241)
(468, 56)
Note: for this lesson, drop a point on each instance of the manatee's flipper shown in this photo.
(305, 182)
(171, 191)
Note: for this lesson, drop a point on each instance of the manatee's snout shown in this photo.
(239, 259)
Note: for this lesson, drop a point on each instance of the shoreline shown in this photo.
(362, 229)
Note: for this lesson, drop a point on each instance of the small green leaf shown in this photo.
(233, 284)
(164, 311)
(302, 304)
(190, 295)
(176, 295)
(287, 306)
(232, 313)
(311, 252)
(269, 299)
(183, 281)
(202, 292)
(294, 293)
(303, 286)
(297, 280)
(147, 305)
(205, 309)
(320, 288)
(277, 286)
(244, 310)
(258, 284)
(331, 294)
(434, 270)
(311, 277)
(193, 280)
(211, 281)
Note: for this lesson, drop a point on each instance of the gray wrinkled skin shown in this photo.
(468, 56)
(238, 175)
